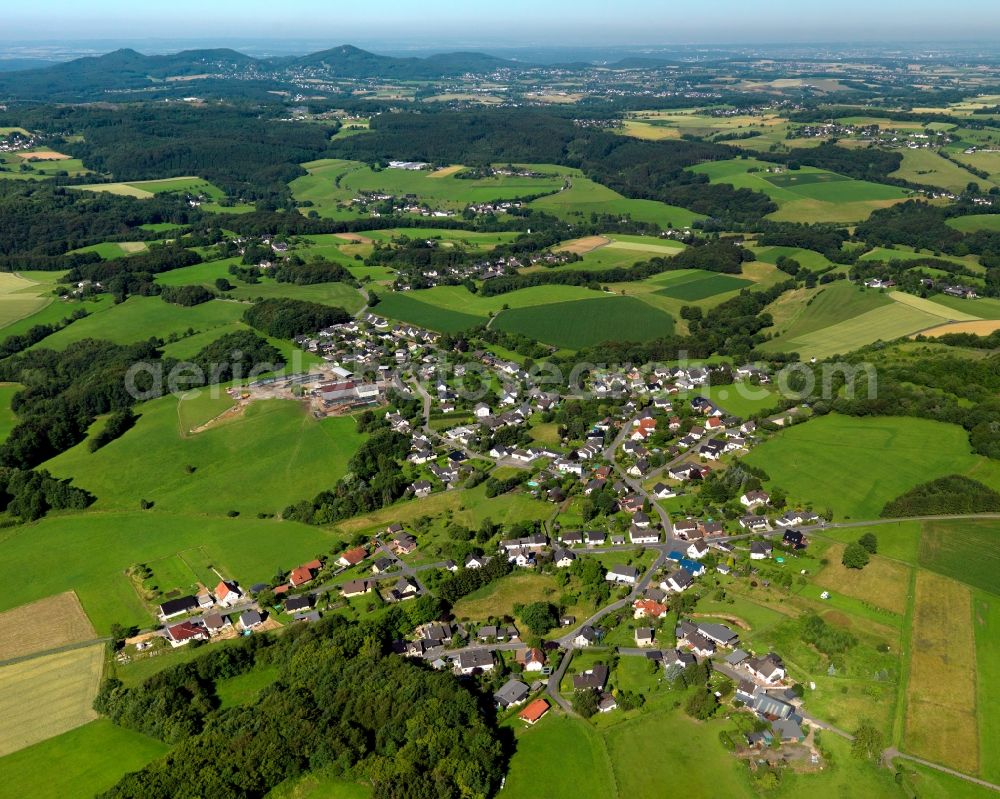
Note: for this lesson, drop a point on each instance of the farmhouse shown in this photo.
(719, 633)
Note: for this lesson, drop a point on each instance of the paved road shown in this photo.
(609, 455)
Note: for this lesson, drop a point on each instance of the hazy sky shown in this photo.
(556, 22)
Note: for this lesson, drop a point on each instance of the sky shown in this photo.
(509, 22)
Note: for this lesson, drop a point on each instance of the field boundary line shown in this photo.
(55, 651)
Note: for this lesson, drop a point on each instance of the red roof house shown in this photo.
(533, 712)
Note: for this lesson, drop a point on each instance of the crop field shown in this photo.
(20, 298)
(983, 307)
(138, 318)
(338, 294)
(404, 307)
(818, 461)
(941, 720)
(986, 621)
(144, 189)
(805, 195)
(583, 323)
(47, 695)
(305, 457)
(975, 222)
(929, 168)
(585, 197)
(109, 250)
(965, 550)
(460, 299)
(830, 305)
(47, 624)
(702, 285)
(91, 759)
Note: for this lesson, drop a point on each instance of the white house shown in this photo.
(625, 575)
(227, 593)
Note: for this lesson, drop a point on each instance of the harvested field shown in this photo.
(941, 720)
(44, 155)
(45, 696)
(981, 327)
(446, 171)
(884, 583)
(357, 238)
(49, 623)
(584, 245)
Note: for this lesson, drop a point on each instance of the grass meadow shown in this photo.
(928, 168)
(975, 222)
(818, 462)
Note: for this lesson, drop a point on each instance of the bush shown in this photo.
(855, 556)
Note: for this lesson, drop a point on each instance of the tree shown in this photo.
(855, 556)
(585, 703)
(701, 704)
(868, 742)
(540, 617)
(870, 542)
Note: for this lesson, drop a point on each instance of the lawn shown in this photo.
(819, 461)
(806, 195)
(559, 758)
(584, 323)
(304, 457)
(90, 759)
(700, 285)
(941, 694)
(139, 318)
(47, 695)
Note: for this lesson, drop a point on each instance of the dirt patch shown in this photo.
(229, 413)
(982, 327)
(47, 624)
(357, 238)
(584, 245)
(446, 171)
(44, 155)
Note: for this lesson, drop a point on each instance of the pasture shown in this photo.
(805, 195)
(44, 696)
(941, 720)
(305, 457)
(583, 323)
(460, 299)
(498, 598)
(809, 259)
(49, 623)
(986, 621)
(884, 583)
(928, 168)
(139, 318)
(20, 298)
(109, 250)
(818, 462)
(742, 399)
(966, 550)
(405, 307)
(698, 285)
(91, 759)
(975, 222)
(144, 189)
(989, 162)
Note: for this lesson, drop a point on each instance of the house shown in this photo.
(697, 549)
(295, 604)
(533, 713)
(563, 558)
(788, 730)
(421, 489)
(640, 536)
(304, 573)
(215, 623)
(680, 580)
(663, 491)
(586, 637)
(625, 575)
(533, 659)
(177, 607)
(249, 619)
(794, 539)
(513, 693)
(643, 636)
(185, 632)
(641, 520)
(708, 529)
(794, 518)
(719, 633)
(205, 600)
(571, 538)
(474, 661)
(356, 588)
(403, 590)
(677, 659)
(700, 645)
(648, 608)
(769, 669)
(403, 543)
(227, 593)
(475, 562)
(685, 528)
(753, 498)
(760, 550)
(596, 538)
(352, 557)
(755, 524)
(307, 616)
(382, 565)
(593, 679)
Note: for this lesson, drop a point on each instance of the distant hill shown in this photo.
(127, 71)
(15, 64)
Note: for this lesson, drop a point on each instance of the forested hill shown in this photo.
(127, 71)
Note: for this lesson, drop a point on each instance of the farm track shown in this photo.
(54, 651)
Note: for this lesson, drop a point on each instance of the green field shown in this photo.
(139, 318)
(304, 456)
(405, 307)
(805, 195)
(583, 323)
(928, 168)
(818, 462)
(967, 551)
(91, 759)
(203, 274)
(144, 189)
(809, 259)
(700, 285)
(7, 416)
(743, 400)
(460, 300)
(20, 298)
(986, 621)
(109, 250)
(974, 222)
